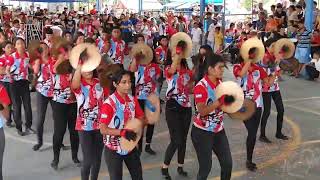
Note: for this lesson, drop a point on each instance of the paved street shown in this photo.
(297, 158)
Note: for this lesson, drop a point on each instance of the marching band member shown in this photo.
(161, 58)
(4, 114)
(178, 112)
(116, 111)
(117, 46)
(250, 76)
(20, 86)
(44, 88)
(5, 78)
(89, 95)
(208, 129)
(271, 91)
(65, 108)
(146, 78)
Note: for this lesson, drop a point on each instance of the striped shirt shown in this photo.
(304, 39)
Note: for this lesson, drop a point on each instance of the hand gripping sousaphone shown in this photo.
(142, 53)
(233, 89)
(284, 46)
(152, 109)
(252, 50)
(181, 45)
(246, 111)
(135, 125)
(86, 51)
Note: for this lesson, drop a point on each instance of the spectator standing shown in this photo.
(196, 33)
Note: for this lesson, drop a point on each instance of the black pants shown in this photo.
(252, 126)
(2, 145)
(21, 94)
(114, 164)
(92, 147)
(204, 143)
(150, 129)
(178, 120)
(42, 104)
(63, 115)
(312, 72)
(8, 89)
(276, 96)
(233, 52)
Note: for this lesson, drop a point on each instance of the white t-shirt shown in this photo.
(211, 32)
(162, 29)
(317, 64)
(196, 35)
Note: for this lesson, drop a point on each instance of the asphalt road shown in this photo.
(297, 158)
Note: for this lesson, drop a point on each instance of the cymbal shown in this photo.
(135, 125)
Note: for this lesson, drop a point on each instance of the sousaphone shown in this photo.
(252, 50)
(142, 53)
(86, 54)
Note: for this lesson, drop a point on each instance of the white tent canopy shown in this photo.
(186, 5)
(174, 4)
(146, 5)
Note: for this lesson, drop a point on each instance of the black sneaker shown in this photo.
(54, 165)
(282, 137)
(251, 166)
(165, 173)
(37, 146)
(9, 125)
(181, 172)
(149, 150)
(77, 162)
(264, 139)
(30, 131)
(21, 133)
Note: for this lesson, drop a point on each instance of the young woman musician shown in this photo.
(146, 78)
(208, 130)
(178, 111)
(90, 96)
(116, 111)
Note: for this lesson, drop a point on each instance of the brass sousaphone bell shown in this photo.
(252, 50)
(181, 45)
(88, 54)
(241, 109)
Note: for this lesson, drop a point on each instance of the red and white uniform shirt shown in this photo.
(115, 113)
(4, 100)
(251, 83)
(116, 51)
(146, 80)
(271, 68)
(48, 43)
(178, 86)
(89, 99)
(162, 52)
(4, 62)
(61, 87)
(204, 92)
(19, 68)
(45, 83)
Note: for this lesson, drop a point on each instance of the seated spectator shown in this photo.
(312, 69)
(292, 13)
(315, 41)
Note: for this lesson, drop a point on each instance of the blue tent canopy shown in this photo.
(53, 1)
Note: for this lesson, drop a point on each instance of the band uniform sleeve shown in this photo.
(107, 113)
(166, 72)
(200, 94)
(263, 73)
(236, 70)
(139, 114)
(4, 97)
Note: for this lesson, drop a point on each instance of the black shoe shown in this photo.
(149, 150)
(54, 164)
(264, 139)
(21, 133)
(181, 172)
(251, 166)
(77, 162)
(65, 148)
(37, 146)
(165, 173)
(282, 137)
(9, 125)
(30, 131)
